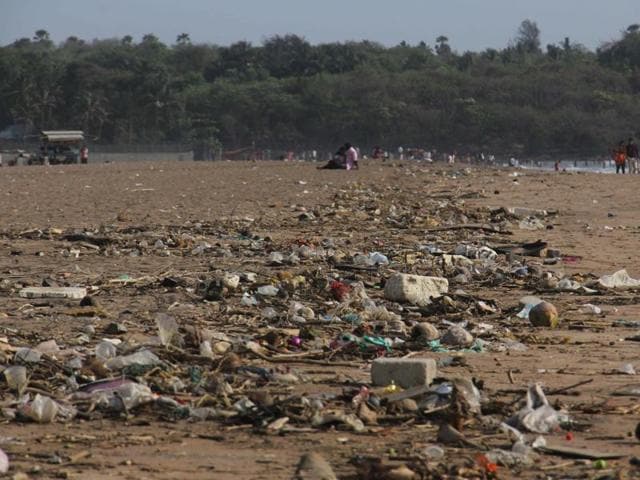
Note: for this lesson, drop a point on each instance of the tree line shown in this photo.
(287, 93)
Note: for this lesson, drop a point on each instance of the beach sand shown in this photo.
(596, 227)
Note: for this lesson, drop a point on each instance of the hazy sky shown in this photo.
(469, 24)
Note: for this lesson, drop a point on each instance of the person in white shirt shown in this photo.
(84, 154)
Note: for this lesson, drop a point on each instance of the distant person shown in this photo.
(352, 156)
(400, 153)
(556, 166)
(84, 154)
(337, 162)
(632, 155)
(620, 157)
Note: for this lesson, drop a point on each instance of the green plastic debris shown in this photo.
(437, 347)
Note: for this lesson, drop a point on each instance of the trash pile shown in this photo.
(371, 299)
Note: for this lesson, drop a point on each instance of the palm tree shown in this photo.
(41, 36)
(183, 39)
(442, 47)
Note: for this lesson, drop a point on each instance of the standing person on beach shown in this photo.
(632, 155)
(84, 154)
(620, 157)
(352, 156)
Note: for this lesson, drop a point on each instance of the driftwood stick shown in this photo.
(558, 390)
(570, 387)
(304, 360)
(470, 226)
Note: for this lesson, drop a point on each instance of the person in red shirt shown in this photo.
(620, 157)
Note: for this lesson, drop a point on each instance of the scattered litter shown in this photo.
(572, 452)
(41, 409)
(376, 310)
(544, 314)
(537, 416)
(4, 462)
(627, 369)
(531, 223)
(620, 279)
(628, 391)
(590, 309)
(54, 292)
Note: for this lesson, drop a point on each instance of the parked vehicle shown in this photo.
(59, 147)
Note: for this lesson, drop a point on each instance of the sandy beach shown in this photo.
(241, 212)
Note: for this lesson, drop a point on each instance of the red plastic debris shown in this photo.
(339, 290)
(490, 468)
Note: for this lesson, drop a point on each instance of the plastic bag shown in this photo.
(537, 416)
(167, 329)
(128, 395)
(105, 350)
(143, 357)
(16, 377)
(268, 291)
(590, 308)
(41, 409)
(4, 462)
(620, 279)
(509, 458)
(524, 313)
(116, 395)
(27, 355)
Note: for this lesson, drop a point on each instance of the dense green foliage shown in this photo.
(288, 93)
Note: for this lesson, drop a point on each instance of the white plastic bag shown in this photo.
(41, 409)
(537, 416)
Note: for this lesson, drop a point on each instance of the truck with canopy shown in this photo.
(59, 147)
